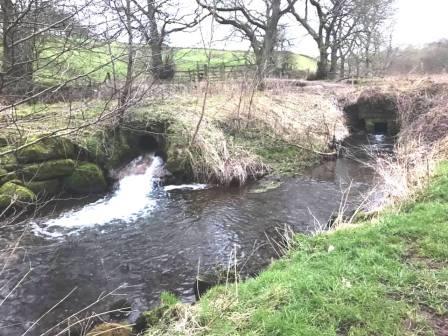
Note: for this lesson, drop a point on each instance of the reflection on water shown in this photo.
(148, 240)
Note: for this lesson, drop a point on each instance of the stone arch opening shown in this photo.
(374, 112)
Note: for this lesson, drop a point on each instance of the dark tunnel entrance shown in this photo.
(380, 128)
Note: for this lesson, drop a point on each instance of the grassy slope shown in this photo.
(386, 277)
(188, 59)
(63, 62)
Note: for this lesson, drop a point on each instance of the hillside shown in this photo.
(66, 61)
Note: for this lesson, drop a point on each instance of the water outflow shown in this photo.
(132, 199)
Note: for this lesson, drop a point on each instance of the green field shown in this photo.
(387, 276)
(189, 58)
(60, 62)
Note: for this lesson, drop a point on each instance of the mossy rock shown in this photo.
(87, 178)
(149, 318)
(96, 146)
(11, 192)
(179, 163)
(120, 150)
(165, 312)
(7, 161)
(9, 176)
(3, 142)
(110, 329)
(47, 170)
(46, 149)
(265, 186)
(112, 148)
(48, 187)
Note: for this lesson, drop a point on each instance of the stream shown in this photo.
(143, 239)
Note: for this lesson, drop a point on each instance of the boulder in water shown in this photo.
(86, 178)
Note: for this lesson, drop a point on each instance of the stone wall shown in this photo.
(373, 112)
(45, 166)
(44, 169)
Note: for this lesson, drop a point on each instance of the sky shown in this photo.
(417, 22)
(421, 21)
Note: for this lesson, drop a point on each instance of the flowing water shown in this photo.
(143, 239)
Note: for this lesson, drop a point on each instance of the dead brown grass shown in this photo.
(422, 142)
(297, 118)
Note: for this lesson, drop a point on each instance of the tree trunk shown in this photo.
(342, 66)
(264, 56)
(322, 64)
(358, 67)
(17, 64)
(155, 43)
(367, 54)
(127, 88)
(333, 63)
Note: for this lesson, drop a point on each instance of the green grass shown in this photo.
(62, 61)
(385, 277)
(284, 159)
(189, 58)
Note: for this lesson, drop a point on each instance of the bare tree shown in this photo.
(328, 22)
(340, 27)
(157, 20)
(258, 24)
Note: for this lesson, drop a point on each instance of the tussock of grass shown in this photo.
(386, 277)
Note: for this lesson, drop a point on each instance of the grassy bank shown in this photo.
(245, 134)
(388, 276)
(242, 134)
(186, 58)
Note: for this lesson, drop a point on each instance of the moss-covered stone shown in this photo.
(7, 161)
(149, 318)
(111, 148)
(46, 149)
(165, 312)
(265, 186)
(86, 178)
(9, 176)
(14, 193)
(47, 170)
(179, 162)
(48, 187)
(3, 142)
(110, 329)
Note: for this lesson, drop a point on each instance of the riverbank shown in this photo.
(383, 276)
(224, 134)
(387, 276)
